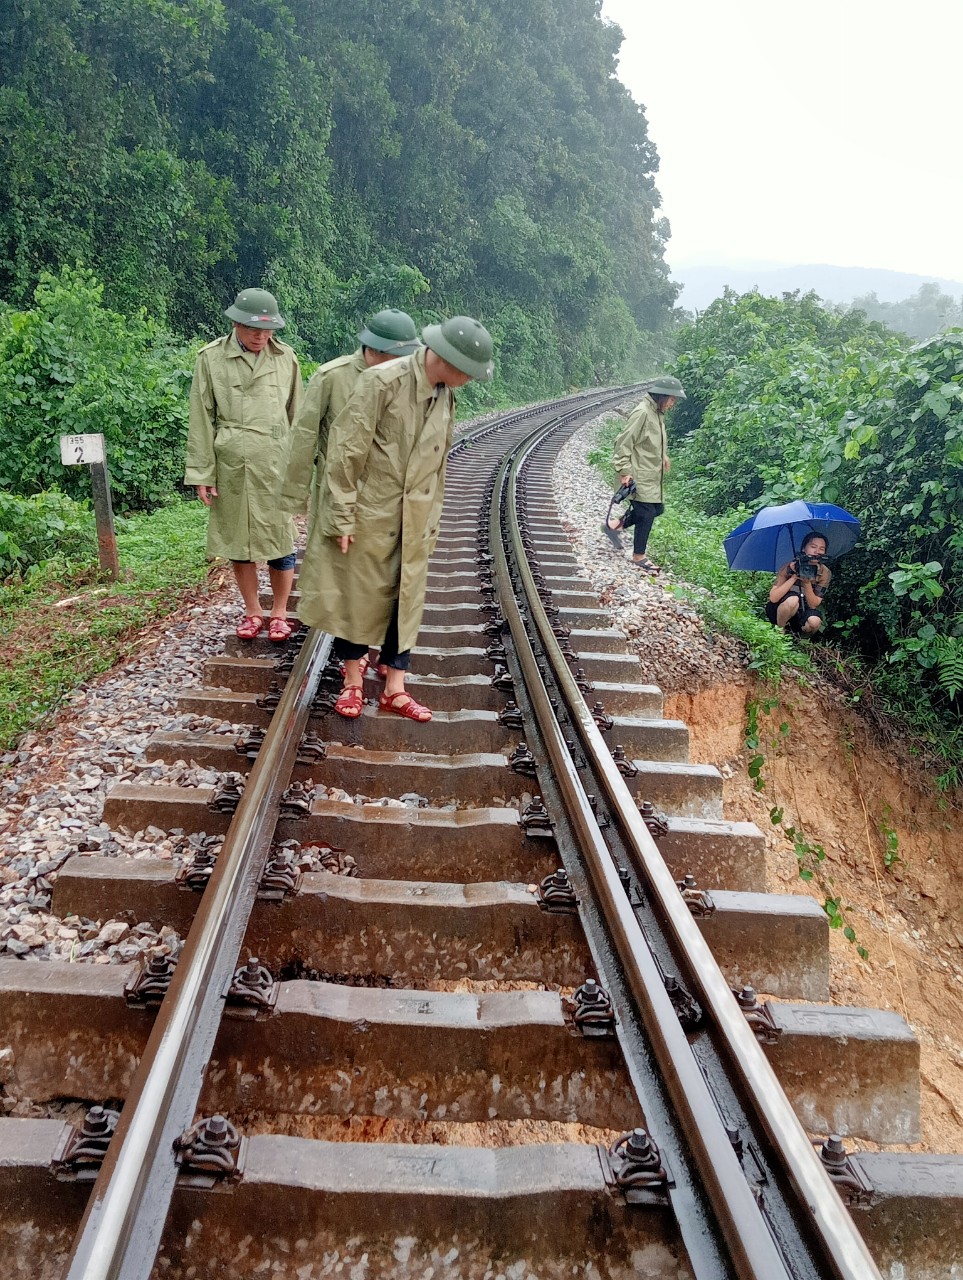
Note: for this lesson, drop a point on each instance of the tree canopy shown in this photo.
(480, 158)
(921, 315)
(790, 400)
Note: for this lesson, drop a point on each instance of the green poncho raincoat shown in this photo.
(242, 408)
(328, 391)
(383, 482)
(640, 451)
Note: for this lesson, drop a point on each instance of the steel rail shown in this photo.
(713, 1204)
(516, 417)
(121, 1230)
(120, 1233)
(828, 1225)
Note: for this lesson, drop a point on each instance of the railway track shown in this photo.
(507, 1025)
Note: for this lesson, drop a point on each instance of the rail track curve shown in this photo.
(528, 968)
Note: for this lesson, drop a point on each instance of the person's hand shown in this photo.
(206, 493)
(624, 480)
(666, 465)
(345, 541)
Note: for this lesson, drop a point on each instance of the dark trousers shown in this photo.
(641, 518)
(804, 612)
(282, 562)
(346, 651)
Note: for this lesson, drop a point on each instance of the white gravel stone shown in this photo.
(52, 786)
(113, 932)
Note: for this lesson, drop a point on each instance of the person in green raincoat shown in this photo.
(365, 574)
(244, 397)
(640, 457)
(386, 336)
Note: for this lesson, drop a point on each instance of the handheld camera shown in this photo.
(807, 567)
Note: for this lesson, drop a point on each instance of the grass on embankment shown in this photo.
(690, 544)
(49, 648)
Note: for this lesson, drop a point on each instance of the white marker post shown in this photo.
(77, 451)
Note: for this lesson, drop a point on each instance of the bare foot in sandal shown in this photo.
(350, 702)
(249, 627)
(408, 708)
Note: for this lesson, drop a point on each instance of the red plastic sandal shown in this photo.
(350, 702)
(248, 628)
(279, 629)
(411, 710)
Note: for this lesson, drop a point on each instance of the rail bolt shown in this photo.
(656, 823)
(591, 1011)
(556, 894)
(636, 1169)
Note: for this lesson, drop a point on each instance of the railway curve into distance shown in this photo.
(498, 1018)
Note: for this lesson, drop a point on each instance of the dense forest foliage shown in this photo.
(790, 400)
(158, 155)
(479, 157)
(920, 315)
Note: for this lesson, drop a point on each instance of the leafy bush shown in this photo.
(42, 527)
(896, 461)
(765, 379)
(786, 401)
(70, 366)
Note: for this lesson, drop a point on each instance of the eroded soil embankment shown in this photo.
(845, 790)
(833, 778)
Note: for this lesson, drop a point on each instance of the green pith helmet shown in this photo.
(391, 332)
(464, 343)
(665, 386)
(257, 309)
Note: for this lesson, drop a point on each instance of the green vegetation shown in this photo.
(68, 366)
(891, 854)
(789, 400)
(918, 316)
(61, 623)
(480, 158)
(41, 527)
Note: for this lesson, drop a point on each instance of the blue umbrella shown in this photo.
(773, 536)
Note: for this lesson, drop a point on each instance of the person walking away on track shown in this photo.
(640, 456)
(386, 336)
(364, 577)
(245, 395)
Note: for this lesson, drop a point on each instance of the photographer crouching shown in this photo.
(795, 599)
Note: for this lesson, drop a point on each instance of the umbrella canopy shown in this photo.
(774, 535)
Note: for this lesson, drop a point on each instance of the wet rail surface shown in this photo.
(515, 1013)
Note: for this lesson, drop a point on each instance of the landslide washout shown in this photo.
(835, 778)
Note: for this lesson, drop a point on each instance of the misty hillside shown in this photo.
(835, 284)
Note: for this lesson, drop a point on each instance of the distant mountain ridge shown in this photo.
(701, 284)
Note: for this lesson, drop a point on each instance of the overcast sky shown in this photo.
(824, 132)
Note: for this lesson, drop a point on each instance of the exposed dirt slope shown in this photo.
(833, 778)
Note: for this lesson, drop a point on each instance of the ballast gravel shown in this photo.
(52, 787)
